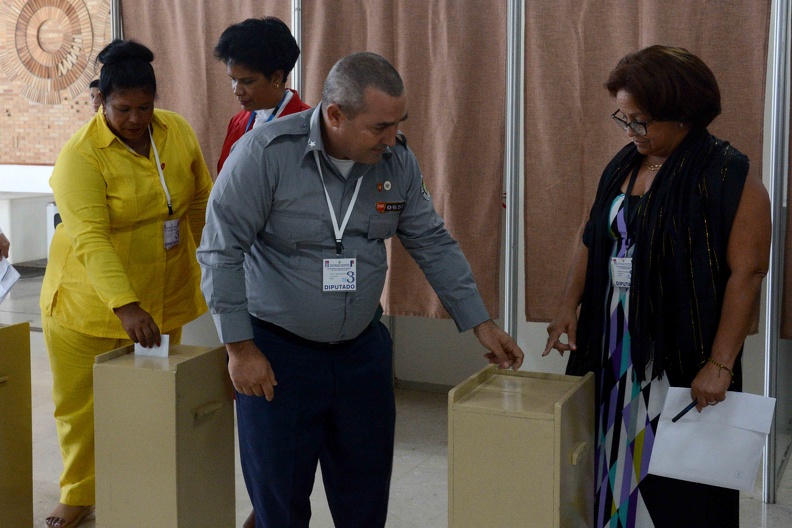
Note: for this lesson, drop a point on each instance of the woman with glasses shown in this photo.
(666, 279)
(259, 54)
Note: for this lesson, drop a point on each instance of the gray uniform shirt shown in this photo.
(268, 228)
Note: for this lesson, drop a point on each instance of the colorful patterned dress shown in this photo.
(628, 410)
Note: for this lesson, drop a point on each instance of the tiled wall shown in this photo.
(31, 132)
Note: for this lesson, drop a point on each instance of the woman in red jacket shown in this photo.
(259, 54)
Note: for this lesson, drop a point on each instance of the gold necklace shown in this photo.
(651, 166)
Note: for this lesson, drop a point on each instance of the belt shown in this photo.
(294, 338)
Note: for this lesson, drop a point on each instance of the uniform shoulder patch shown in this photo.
(424, 190)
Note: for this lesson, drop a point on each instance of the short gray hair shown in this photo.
(347, 82)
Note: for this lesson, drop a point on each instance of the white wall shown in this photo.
(25, 178)
(24, 193)
(23, 218)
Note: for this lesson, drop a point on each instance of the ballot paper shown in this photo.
(157, 351)
(721, 446)
(8, 276)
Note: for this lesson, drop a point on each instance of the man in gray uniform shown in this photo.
(294, 261)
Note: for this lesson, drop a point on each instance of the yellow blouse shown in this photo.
(110, 250)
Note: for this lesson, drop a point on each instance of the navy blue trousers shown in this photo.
(334, 406)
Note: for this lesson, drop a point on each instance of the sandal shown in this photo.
(56, 521)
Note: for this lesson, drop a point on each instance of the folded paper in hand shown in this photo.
(8, 276)
(721, 446)
(156, 351)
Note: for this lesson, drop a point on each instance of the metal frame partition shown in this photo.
(778, 168)
(296, 28)
(514, 162)
(116, 23)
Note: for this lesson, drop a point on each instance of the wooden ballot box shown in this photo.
(164, 439)
(16, 430)
(520, 450)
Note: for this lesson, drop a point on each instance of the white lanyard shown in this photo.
(339, 232)
(159, 169)
(162, 176)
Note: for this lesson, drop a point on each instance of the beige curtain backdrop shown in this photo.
(443, 50)
(190, 81)
(570, 48)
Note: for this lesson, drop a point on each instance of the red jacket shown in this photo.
(236, 127)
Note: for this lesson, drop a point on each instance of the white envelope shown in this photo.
(721, 446)
(8, 276)
(155, 351)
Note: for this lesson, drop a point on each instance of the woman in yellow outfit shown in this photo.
(131, 187)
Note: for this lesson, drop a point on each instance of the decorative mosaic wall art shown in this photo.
(48, 54)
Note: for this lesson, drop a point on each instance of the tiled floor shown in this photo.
(419, 489)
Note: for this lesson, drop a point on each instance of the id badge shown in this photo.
(171, 233)
(621, 271)
(339, 274)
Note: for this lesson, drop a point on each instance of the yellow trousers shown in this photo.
(72, 357)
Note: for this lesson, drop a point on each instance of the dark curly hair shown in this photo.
(264, 45)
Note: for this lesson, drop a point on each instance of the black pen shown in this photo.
(684, 411)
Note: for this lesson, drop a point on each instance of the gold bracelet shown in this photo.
(722, 366)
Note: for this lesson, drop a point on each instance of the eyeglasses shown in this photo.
(638, 127)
